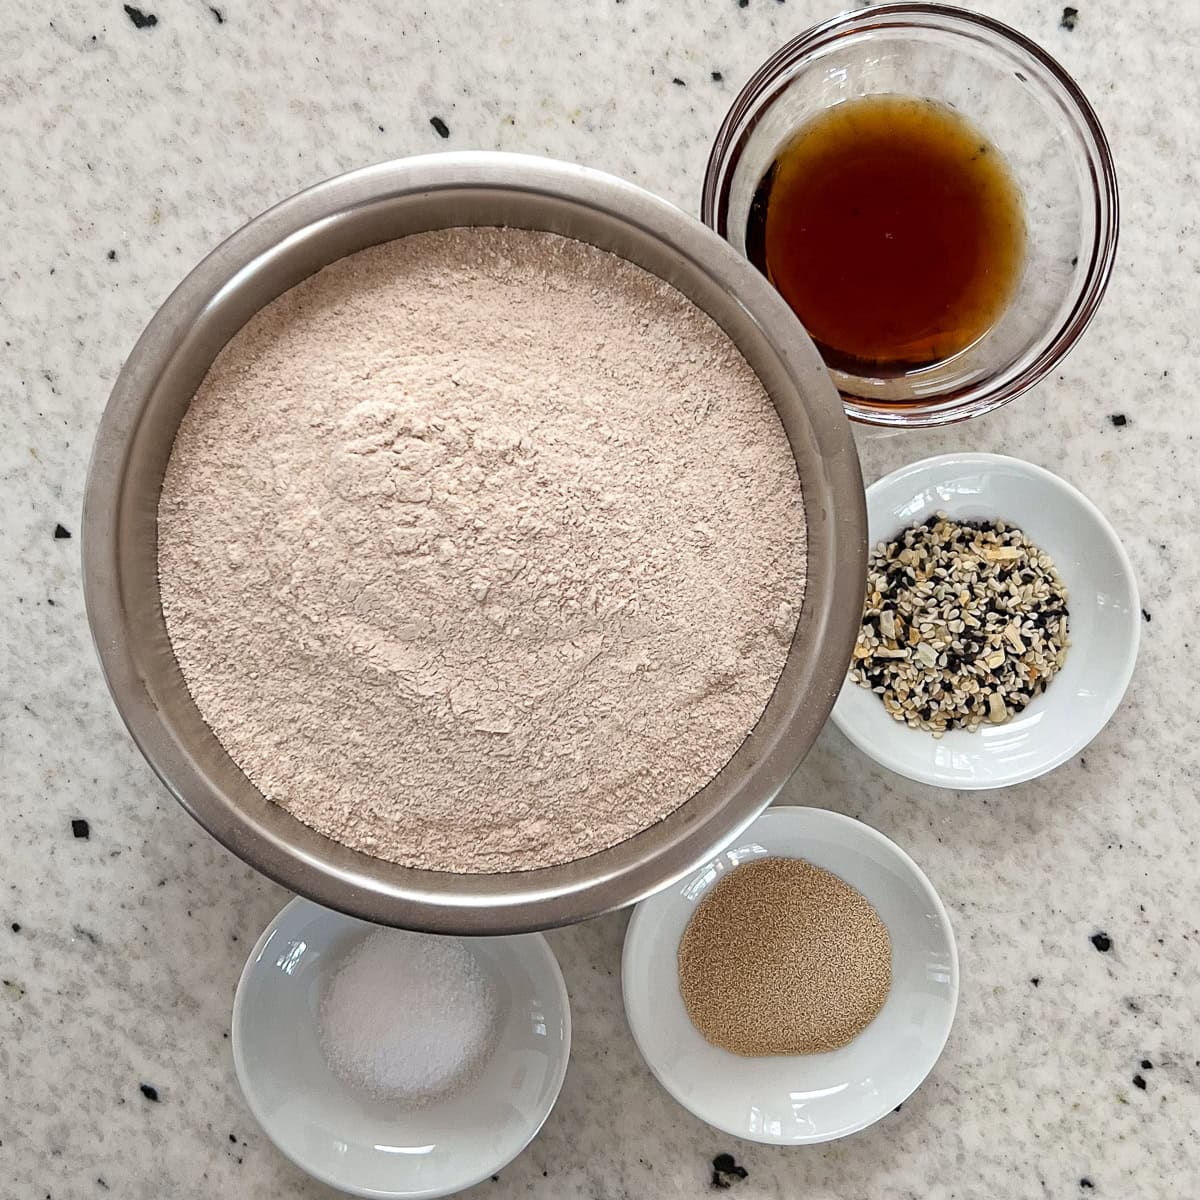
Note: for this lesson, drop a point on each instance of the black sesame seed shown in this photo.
(1119, 419)
(149, 1091)
(1102, 942)
(440, 126)
(1139, 1083)
(80, 828)
(725, 1169)
(60, 531)
(140, 19)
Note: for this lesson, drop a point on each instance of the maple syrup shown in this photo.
(893, 229)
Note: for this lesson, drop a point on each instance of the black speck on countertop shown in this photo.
(678, 82)
(1119, 419)
(216, 12)
(16, 927)
(1146, 615)
(1070, 18)
(233, 1139)
(112, 256)
(80, 828)
(440, 126)
(1147, 1065)
(726, 1171)
(1102, 942)
(1085, 1182)
(717, 76)
(1139, 1083)
(149, 1091)
(61, 531)
(141, 20)
(743, 3)
(1036, 980)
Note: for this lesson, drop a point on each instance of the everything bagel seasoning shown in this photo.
(964, 623)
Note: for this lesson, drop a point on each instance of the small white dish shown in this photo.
(802, 1099)
(365, 1146)
(1104, 624)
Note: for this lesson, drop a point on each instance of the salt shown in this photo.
(408, 1017)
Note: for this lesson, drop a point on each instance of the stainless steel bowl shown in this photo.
(273, 253)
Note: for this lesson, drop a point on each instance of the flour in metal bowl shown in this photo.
(481, 550)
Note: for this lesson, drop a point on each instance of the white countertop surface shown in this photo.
(128, 153)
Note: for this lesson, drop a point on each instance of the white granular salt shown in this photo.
(481, 550)
(408, 1017)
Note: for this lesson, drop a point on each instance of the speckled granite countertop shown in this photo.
(134, 139)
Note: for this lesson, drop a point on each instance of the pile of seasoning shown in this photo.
(782, 957)
(964, 622)
(408, 1017)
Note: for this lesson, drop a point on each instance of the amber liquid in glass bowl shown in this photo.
(893, 229)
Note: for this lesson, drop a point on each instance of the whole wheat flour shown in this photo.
(481, 550)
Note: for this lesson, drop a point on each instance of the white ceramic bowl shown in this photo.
(796, 1100)
(354, 1142)
(1104, 623)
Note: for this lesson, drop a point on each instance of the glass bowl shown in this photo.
(1029, 108)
